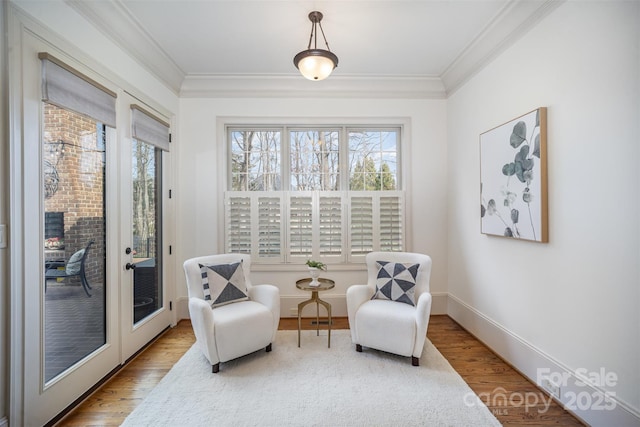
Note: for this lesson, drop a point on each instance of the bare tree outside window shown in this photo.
(314, 160)
(144, 210)
(373, 160)
(255, 160)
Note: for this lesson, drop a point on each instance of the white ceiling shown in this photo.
(426, 46)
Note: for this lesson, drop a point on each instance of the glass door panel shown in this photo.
(146, 206)
(74, 149)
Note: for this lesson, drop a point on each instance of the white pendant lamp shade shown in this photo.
(316, 64)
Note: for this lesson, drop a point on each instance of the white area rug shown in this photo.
(313, 386)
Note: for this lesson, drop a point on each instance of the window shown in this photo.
(336, 197)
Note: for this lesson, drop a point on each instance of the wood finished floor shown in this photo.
(487, 375)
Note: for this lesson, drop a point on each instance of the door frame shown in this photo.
(28, 268)
(133, 337)
(27, 37)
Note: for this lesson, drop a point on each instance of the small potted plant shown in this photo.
(314, 270)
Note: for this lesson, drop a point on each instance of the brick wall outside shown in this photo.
(80, 191)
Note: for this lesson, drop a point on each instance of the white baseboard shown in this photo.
(578, 395)
(289, 305)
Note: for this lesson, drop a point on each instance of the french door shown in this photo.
(144, 153)
(91, 217)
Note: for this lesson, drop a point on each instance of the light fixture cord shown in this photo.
(323, 36)
(313, 28)
(315, 31)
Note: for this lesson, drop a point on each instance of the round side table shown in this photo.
(325, 285)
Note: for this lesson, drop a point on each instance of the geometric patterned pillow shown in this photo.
(74, 263)
(396, 282)
(223, 283)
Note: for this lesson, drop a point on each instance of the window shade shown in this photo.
(330, 225)
(69, 89)
(269, 225)
(145, 127)
(239, 224)
(300, 225)
(390, 224)
(361, 225)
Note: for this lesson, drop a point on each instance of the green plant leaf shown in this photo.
(509, 169)
(522, 164)
(519, 134)
(536, 146)
(491, 207)
(515, 214)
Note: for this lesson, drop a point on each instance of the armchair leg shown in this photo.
(358, 348)
(415, 361)
(215, 368)
(269, 347)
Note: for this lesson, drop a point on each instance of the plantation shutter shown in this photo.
(148, 128)
(391, 233)
(300, 225)
(361, 225)
(67, 88)
(330, 230)
(269, 227)
(238, 227)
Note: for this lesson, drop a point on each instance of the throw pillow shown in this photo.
(74, 263)
(223, 283)
(396, 282)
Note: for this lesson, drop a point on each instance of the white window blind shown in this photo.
(301, 225)
(391, 223)
(239, 225)
(361, 225)
(148, 128)
(330, 219)
(67, 88)
(269, 227)
(317, 225)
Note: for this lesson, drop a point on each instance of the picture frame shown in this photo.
(513, 178)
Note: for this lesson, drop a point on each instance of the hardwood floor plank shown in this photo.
(487, 375)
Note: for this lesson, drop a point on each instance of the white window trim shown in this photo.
(404, 152)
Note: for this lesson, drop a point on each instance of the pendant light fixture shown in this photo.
(316, 64)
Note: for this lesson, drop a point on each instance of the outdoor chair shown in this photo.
(75, 267)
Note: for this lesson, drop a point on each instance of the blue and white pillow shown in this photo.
(396, 282)
(223, 283)
(75, 263)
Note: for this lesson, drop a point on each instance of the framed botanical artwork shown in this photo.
(513, 178)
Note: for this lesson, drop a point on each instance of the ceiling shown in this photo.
(425, 47)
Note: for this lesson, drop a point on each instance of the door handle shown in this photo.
(130, 266)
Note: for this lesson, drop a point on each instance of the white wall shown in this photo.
(198, 196)
(573, 301)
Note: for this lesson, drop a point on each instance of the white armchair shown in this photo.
(235, 329)
(388, 325)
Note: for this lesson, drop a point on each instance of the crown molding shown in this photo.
(295, 86)
(115, 21)
(509, 25)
